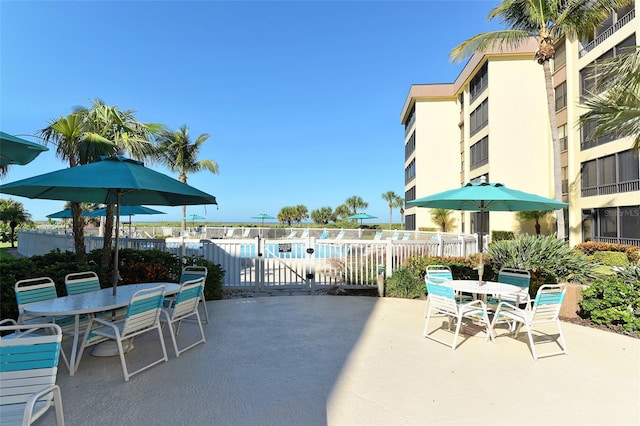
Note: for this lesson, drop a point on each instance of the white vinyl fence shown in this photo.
(260, 264)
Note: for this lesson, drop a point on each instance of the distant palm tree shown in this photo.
(394, 200)
(533, 215)
(441, 217)
(354, 203)
(615, 102)
(180, 155)
(13, 213)
(550, 22)
(342, 212)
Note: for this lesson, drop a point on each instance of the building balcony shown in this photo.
(608, 32)
(613, 188)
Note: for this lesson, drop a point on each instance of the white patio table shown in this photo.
(482, 290)
(487, 287)
(88, 304)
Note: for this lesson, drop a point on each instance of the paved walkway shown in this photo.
(343, 360)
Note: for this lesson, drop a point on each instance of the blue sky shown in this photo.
(302, 99)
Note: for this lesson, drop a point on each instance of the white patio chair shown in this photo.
(545, 311)
(442, 302)
(395, 236)
(191, 273)
(185, 305)
(143, 315)
(292, 234)
(340, 235)
(406, 236)
(28, 372)
(437, 274)
(377, 236)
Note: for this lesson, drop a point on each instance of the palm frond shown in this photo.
(485, 41)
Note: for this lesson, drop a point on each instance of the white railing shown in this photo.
(260, 264)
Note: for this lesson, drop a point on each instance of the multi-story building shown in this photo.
(493, 121)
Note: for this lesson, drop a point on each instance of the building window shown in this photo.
(562, 134)
(410, 146)
(611, 174)
(410, 120)
(410, 171)
(590, 80)
(410, 194)
(564, 171)
(479, 82)
(461, 101)
(560, 56)
(588, 138)
(561, 96)
(479, 153)
(619, 225)
(410, 222)
(479, 118)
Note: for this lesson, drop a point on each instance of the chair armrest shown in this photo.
(478, 302)
(501, 305)
(33, 399)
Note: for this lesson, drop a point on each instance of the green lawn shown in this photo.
(3, 250)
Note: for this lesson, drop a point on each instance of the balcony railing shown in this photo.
(613, 188)
(616, 240)
(608, 32)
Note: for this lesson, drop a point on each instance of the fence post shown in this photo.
(440, 245)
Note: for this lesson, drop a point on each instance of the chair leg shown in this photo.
(533, 349)
(455, 336)
(204, 305)
(123, 362)
(57, 405)
(561, 338)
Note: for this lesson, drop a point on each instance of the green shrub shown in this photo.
(610, 258)
(502, 235)
(405, 284)
(547, 258)
(462, 268)
(614, 302)
(591, 247)
(136, 266)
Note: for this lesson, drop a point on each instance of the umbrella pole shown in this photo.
(116, 274)
(481, 241)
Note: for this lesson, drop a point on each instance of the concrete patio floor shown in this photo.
(346, 360)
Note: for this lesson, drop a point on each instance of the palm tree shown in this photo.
(180, 155)
(127, 134)
(441, 217)
(533, 215)
(354, 203)
(13, 212)
(342, 212)
(394, 200)
(615, 103)
(550, 22)
(76, 145)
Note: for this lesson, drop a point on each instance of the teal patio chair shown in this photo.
(84, 282)
(185, 305)
(28, 369)
(516, 277)
(324, 235)
(143, 315)
(545, 311)
(194, 272)
(442, 302)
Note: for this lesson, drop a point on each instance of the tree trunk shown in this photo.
(108, 232)
(78, 232)
(537, 227)
(555, 140)
(13, 224)
(390, 216)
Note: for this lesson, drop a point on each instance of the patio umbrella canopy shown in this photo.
(361, 216)
(14, 150)
(62, 214)
(112, 180)
(125, 211)
(486, 197)
(193, 218)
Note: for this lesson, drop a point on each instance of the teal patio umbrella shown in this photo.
(14, 150)
(111, 180)
(361, 216)
(262, 217)
(62, 214)
(487, 197)
(193, 218)
(125, 211)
